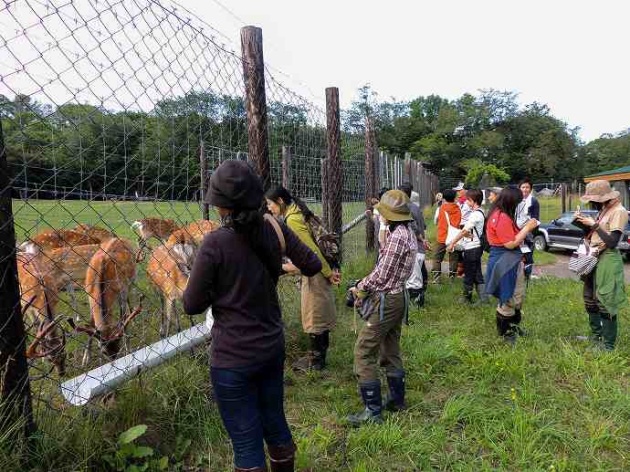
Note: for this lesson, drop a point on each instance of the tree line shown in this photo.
(487, 133)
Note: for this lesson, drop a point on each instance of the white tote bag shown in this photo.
(452, 233)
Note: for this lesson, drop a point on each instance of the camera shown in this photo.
(349, 294)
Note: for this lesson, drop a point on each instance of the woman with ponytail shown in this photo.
(318, 299)
(236, 272)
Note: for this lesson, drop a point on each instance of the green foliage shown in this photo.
(476, 169)
(127, 456)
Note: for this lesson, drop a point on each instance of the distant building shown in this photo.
(619, 180)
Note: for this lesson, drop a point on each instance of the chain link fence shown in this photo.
(113, 116)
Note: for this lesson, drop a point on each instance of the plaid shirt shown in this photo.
(395, 263)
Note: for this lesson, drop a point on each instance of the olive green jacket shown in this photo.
(294, 219)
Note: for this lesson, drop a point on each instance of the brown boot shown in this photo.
(282, 457)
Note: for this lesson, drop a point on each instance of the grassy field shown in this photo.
(550, 403)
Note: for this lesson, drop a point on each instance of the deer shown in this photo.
(168, 269)
(193, 233)
(96, 232)
(152, 227)
(109, 275)
(39, 298)
(56, 238)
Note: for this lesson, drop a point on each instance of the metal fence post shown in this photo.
(203, 171)
(370, 181)
(15, 391)
(256, 101)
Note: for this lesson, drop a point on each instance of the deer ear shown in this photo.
(184, 252)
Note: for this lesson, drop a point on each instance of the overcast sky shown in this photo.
(571, 55)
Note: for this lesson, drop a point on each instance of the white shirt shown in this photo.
(466, 211)
(522, 211)
(474, 225)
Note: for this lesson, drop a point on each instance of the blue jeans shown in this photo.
(251, 404)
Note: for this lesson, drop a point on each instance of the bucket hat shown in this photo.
(394, 206)
(599, 191)
(460, 186)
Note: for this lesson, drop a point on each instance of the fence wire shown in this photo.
(110, 111)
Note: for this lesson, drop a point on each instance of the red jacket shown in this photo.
(454, 215)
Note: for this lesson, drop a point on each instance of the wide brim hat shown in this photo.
(394, 206)
(460, 186)
(599, 191)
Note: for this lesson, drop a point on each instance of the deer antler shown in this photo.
(33, 352)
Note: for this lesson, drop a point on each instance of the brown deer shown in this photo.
(152, 227)
(109, 275)
(56, 238)
(95, 232)
(168, 269)
(39, 298)
(193, 233)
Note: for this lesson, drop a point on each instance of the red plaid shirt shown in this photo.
(395, 263)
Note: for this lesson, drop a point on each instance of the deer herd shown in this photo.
(104, 266)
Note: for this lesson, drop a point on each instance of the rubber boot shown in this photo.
(371, 396)
(595, 323)
(516, 322)
(315, 357)
(481, 293)
(395, 401)
(420, 299)
(282, 457)
(324, 344)
(467, 296)
(506, 329)
(609, 331)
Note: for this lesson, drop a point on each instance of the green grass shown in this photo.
(550, 403)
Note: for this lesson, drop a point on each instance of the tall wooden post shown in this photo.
(286, 167)
(325, 183)
(563, 194)
(15, 390)
(203, 171)
(370, 189)
(335, 172)
(255, 101)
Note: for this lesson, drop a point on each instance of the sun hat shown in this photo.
(234, 184)
(394, 206)
(460, 186)
(599, 191)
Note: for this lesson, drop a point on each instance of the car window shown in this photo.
(565, 218)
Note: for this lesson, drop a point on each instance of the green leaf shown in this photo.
(163, 463)
(132, 434)
(142, 451)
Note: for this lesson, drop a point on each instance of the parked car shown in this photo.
(561, 234)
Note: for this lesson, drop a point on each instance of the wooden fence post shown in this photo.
(370, 189)
(286, 167)
(335, 171)
(203, 170)
(325, 192)
(15, 391)
(255, 101)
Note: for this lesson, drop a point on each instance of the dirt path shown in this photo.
(561, 268)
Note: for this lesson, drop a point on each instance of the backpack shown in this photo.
(328, 243)
(483, 239)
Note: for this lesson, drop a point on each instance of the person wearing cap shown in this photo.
(466, 211)
(378, 342)
(317, 298)
(492, 193)
(235, 273)
(604, 287)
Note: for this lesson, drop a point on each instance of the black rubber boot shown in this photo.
(315, 358)
(505, 329)
(282, 457)
(609, 331)
(595, 323)
(516, 323)
(371, 396)
(466, 296)
(324, 344)
(395, 401)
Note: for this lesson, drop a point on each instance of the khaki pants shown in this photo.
(318, 305)
(379, 341)
(508, 309)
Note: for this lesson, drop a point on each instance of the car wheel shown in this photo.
(626, 256)
(540, 243)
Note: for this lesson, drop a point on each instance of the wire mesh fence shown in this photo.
(111, 111)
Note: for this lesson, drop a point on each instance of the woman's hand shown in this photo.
(532, 224)
(450, 247)
(289, 268)
(585, 220)
(335, 277)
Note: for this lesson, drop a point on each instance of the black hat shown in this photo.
(235, 185)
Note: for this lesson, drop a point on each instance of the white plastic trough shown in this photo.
(80, 390)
